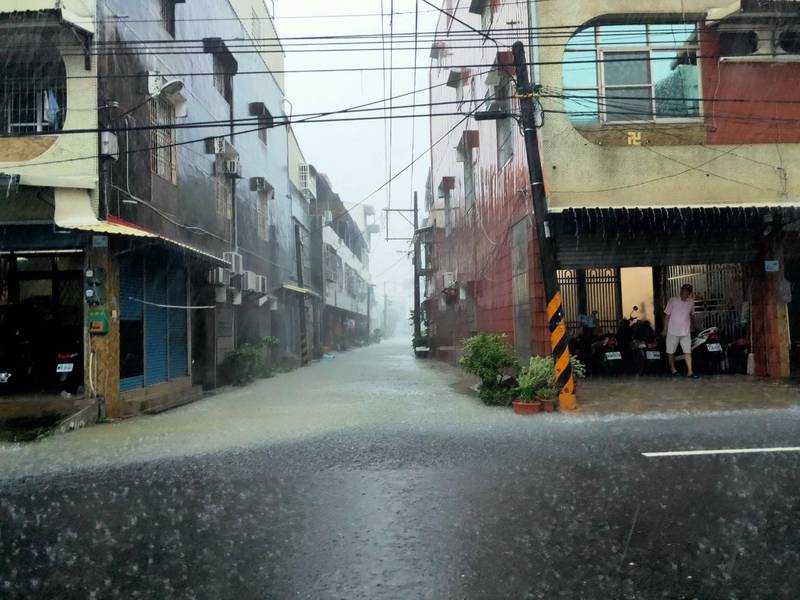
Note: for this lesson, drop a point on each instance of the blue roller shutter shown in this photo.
(131, 286)
(155, 320)
(178, 335)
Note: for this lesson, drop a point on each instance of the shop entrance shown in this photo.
(41, 322)
(609, 309)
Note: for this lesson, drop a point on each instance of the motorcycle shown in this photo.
(647, 350)
(606, 355)
(625, 335)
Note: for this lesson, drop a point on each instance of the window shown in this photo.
(448, 213)
(466, 156)
(340, 273)
(163, 151)
(618, 73)
(168, 16)
(33, 96)
(263, 125)
(263, 214)
(222, 78)
(224, 191)
(504, 127)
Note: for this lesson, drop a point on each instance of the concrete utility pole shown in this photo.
(301, 303)
(559, 340)
(385, 305)
(417, 316)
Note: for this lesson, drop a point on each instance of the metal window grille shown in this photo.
(224, 189)
(33, 97)
(163, 152)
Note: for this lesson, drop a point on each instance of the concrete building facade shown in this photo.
(669, 148)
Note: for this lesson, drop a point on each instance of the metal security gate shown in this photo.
(589, 290)
(719, 294)
(154, 339)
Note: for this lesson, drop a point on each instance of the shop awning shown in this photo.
(631, 237)
(73, 210)
(291, 287)
(53, 16)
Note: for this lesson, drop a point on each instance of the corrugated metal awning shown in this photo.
(618, 237)
(73, 210)
(291, 287)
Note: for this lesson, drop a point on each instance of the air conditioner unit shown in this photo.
(219, 276)
(235, 260)
(232, 166)
(328, 218)
(261, 284)
(259, 184)
(249, 282)
(218, 145)
(449, 279)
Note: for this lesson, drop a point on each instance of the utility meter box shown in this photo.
(94, 283)
(98, 322)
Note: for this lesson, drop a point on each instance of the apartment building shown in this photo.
(669, 143)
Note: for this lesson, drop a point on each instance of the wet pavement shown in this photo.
(372, 476)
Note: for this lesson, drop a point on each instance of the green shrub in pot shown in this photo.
(490, 357)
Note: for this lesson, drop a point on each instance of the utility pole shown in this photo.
(559, 339)
(301, 303)
(417, 316)
(385, 305)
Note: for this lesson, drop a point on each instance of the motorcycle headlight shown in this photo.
(4, 377)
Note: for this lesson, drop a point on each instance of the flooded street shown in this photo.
(327, 483)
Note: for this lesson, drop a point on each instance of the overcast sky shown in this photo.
(353, 154)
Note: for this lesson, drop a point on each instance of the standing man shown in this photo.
(678, 328)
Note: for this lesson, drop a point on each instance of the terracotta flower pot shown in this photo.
(527, 408)
(548, 406)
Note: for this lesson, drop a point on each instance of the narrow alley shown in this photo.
(330, 483)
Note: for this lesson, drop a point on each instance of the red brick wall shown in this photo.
(479, 247)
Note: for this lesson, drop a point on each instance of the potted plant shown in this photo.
(536, 385)
(490, 357)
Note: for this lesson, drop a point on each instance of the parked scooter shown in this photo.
(707, 354)
(737, 353)
(647, 350)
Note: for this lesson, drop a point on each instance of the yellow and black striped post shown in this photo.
(559, 338)
(304, 349)
(559, 342)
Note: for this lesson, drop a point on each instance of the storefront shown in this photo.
(41, 320)
(154, 322)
